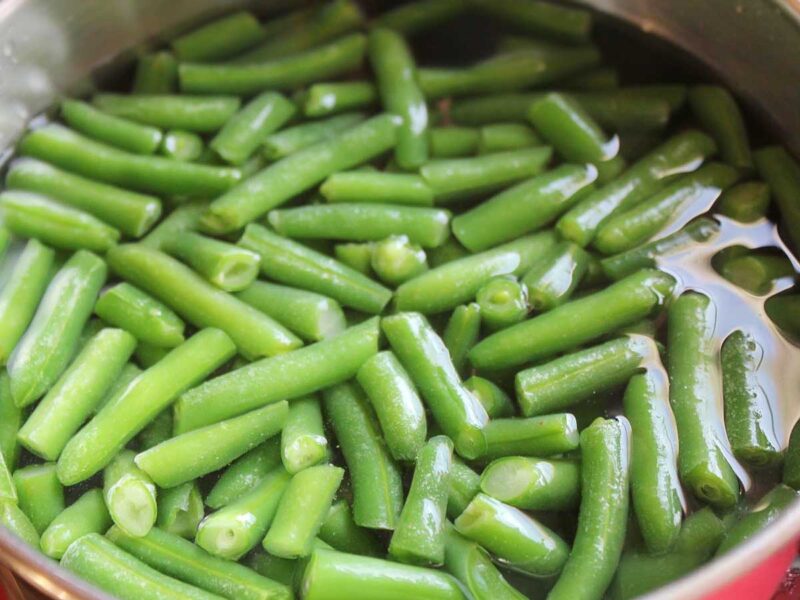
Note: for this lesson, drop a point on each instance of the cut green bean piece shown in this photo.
(31, 215)
(303, 441)
(220, 39)
(448, 252)
(202, 451)
(375, 478)
(147, 354)
(594, 80)
(460, 178)
(493, 398)
(396, 403)
(69, 150)
(716, 110)
(292, 263)
(463, 487)
(455, 142)
(556, 275)
(245, 473)
(40, 495)
(419, 537)
(340, 531)
(458, 281)
(603, 514)
(331, 575)
(117, 131)
(295, 374)
(325, 99)
(461, 333)
(88, 514)
(182, 146)
(424, 355)
(503, 301)
(655, 489)
(156, 73)
(395, 259)
(20, 295)
(770, 507)
(129, 579)
(282, 570)
(76, 394)
(180, 509)
(300, 171)
(199, 302)
(10, 422)
(693, 392)
(199, 114)
(756, 272)
(791, 465)
(561, 23)
(577, 322)
(378, 187)
(130, 495)
(292, 139)
(118, 422)
(515, 539)
(784, 311)
(523, 208)
(535, 436)
(227, 266)
(238, 527)
(18, 523)
(746, 202)
(502, 137)
(8, 492)
(316, 64)
(573, 378)
(52, 338)
(533, 483)
(145, 317)
(415, 17)
(301, 511)
(185, 217)
(680, 154)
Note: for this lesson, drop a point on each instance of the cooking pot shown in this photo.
(49, 47)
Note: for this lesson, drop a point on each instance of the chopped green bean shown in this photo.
(245, 473)
(746, 202)
(503, 301)
(156, 73)
(40, 494)
(379, 187)
(455, 142)
(556, 275)
(461, 333)
(717, 111)
(10, 422)
(492, 397)
(340, 531)
(535, 436)
(292, 139)
(18, 523)
(180, 509)
(199, 114)
(145, 317)
(415, 17)
(182, 146)
(220, 39)
(117, 131)
(88, 514)
(533, 483)
(130, 495)
(395, 259)
(303, 441)
(769, 508)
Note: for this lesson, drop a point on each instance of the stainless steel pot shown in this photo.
(49, 47)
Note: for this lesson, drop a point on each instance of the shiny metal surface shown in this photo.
(49, 47)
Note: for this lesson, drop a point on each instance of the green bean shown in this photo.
(639, 573)
(378, 187)
(415, 17)
(515, 539)
(603, 512)
(556, 275)
(463, 486)
(783, 311)
(340, 531)
(565, 124)
(756, 272)
(155, 389)
(770, 507)
(693, 394)
(395, 259)
(576, 377)
(225, 265)
(282, 570)
(10, 421)
(455, 142)
(291, 263)
(97, 560)
(457, 282)
(116, 131)
(202, 451)
(31, 215)
(503, 301)
(518, 70)
(680, 154)
(245, 473)
(535, 436)
(182, 146)
(303, 441)
(77, 392)
(199, 114)
(180, 509)
(493, 398)
(576, 322)
(301, 511)
(220, 39)
(156, 73)
(18, 523)
(526, 207)
(716, 110)
(598, 79)
(303, 30)
(334, 58)
(147, 354)
(68, 150)
(396, 75)
(130, 495)
(355, 256)
(746, 202)
(461, 333)
(424, 355)
(288, 141)
(40, 495)
(501, 137)
(655, 489)
(396, 403)
(200, 303)
(533, 483)
(748, 418)
(238, 527)
(332, 575)
(300, 171)
(325, 99)
(88, 514)
(630, 228)
(448, 252)
(8, 493)
(292, 375)
(374, 476)
(145, 317)
(647, 255)
(52, 337)
(540, 18)
(185, 217)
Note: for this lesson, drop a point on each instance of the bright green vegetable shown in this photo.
(8, 493)
(324, 99)
(130, 495)
(415, 17)
(461, 333)
(303, 441)
(396, 259)
(18, 523)
(464, 485)
(156, 73)
(533, 483)
(455, 142)
(340, 531)
(769, 508)
(10, 421)
(501, 137)
(183, 146)
(554, 277)
(145, 317)
(199, 114)
(292, 139)
(88, 514)
(40, 495)
(493, 398)
(245, 473)
(117, 131)
(534, 17)
(180, 509)
(503, 301)
(756, 272)
(220, 39)
(716, 110)
(535, 436)
(746, 202)
(379, 187)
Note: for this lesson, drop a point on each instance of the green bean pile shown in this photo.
(297, 317)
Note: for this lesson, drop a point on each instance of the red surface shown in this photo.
(761, 581)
